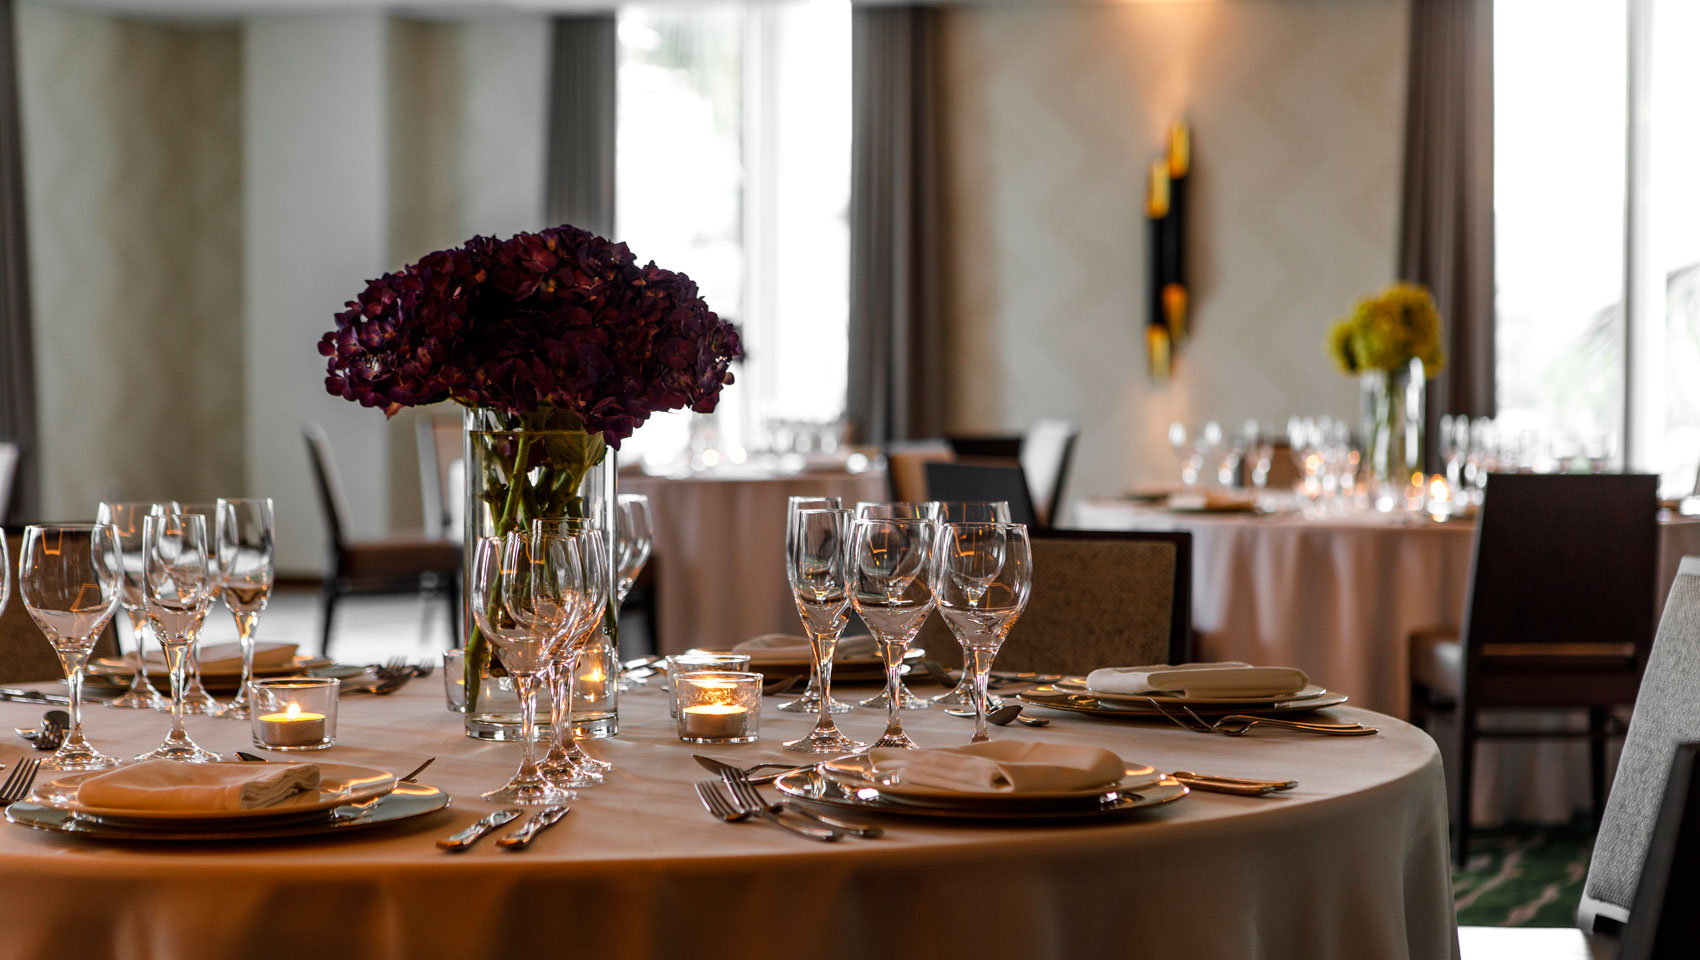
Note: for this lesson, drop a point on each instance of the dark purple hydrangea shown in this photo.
(561, 318)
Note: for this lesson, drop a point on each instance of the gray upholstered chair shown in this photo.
(1099, 599)
(25, 654)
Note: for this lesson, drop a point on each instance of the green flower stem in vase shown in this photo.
(520, 468)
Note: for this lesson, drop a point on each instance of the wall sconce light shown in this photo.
(1165, 208)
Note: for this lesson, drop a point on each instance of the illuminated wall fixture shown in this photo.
(1165, 208)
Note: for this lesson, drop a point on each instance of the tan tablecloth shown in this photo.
(720, 551)
(1350, 865)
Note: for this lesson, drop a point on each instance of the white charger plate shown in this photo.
(339, 784)
(858, 770)
(409, 800)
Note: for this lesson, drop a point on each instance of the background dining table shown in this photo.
(1350, 864)
(1339, 596)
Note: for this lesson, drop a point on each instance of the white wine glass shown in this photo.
(961, 696)
(819, 566)
(126, 519)
(582, 547)
(177, 594)
(196, 699)
(810, 701)
(985, 574)
(925, 510)
(71, 579)
(633, 540)
(246, 546)
(891, 580)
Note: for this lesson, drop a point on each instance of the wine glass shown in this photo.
(633, 541)
(1182, 452)
(5, 572)
(810, 701)
(581, 546)
(891, 568)
(819, 568)
(245, 548)
(71, 578)
(521, 597)
(196, 699)
(126, 519)
(926, 510)
(1261, 446)
(985, 573)
(973, 511)
(177, 593)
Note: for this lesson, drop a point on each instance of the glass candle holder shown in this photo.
(294, 713)
(454, 679)
(718, 706)
(693, 662)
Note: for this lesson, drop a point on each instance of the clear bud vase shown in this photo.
(1392, 430)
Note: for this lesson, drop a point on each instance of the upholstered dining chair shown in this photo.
(982, 481)
(1100, 599)
(1046, 453)
(439, 445)
(905, 467)
(1559, 616)
(25, 654)
(399, 563)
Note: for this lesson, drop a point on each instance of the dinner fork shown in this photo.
(747, 797)
(18, 783)
(1235, 725)
(720, 806)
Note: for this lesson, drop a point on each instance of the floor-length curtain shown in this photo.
(17, 353)
(897, 388)
(1446, 216)
(580, 171)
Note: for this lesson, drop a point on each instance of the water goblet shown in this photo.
(245, 548)
(819, 569)
(985, 574)
(196, 699)
(5, 572)
(126, 520)
(177, 593)
(578, 545)
(71, 578)
(972, 511)
(810, 701)
(891, 577)
(633, 539)
(925, 510)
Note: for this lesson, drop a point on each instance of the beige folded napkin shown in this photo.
(1000, 767)
(1229, 679)
(173, 785)
(1212, 500)
(227, 657)
(784, 646)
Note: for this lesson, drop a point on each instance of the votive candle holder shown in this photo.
(718, 706)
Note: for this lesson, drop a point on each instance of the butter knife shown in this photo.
(471, 835)
(539, 822)
(16, 695)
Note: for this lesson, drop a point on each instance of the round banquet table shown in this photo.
(719, 548)
(1351, 864)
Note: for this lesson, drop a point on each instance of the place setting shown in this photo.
(1189, 693)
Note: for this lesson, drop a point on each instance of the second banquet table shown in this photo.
(1351, 864)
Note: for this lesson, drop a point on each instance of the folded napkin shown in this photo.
(1212, 500)
(1229, 679)
(227, 657)
(1000, 767)
(172, 785)
(776, 646)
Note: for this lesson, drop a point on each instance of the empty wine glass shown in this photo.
(810, 701)
(1182, 452)
(633, 538)
(581, 546)
(819, 566)
(245, 547)
(196, 699)
(874, 510)
(1261, 447)
(5, 572)
(71, 578)
(126, 520)
(177, 593)
(891, 586)
(523, 598)
(985, 574)
(974, 511)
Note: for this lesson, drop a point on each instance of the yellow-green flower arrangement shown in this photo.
(1386, 332)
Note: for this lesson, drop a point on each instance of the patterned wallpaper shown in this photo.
(1054, 113)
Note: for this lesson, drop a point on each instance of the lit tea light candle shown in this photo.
(714, 721)
(718, 707)
(1439, 498)
(292, 728)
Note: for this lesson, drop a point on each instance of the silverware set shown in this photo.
(1004, 715)
(388, 677)
(1236, 725)
(55, 726)
(540, 820)
(741, 801)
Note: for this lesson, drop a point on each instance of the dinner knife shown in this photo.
(471, 835)
(539, 822)
(19, 695)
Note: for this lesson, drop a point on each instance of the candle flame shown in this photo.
(1437, 489)
(293, 713)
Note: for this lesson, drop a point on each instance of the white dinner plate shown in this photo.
(1311, 692)
(859, 770)
(1076, 702)
(409, 800)
(339, 784)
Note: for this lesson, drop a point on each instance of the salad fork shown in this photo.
(18, 783)
(747, 797)
(720, 806)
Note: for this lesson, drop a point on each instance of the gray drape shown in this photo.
(897, 383)
(17, 353)
(1446, 213)
(580, 163)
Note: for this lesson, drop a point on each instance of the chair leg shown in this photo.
(328, 596)
(1597, 761)
(1466, 784)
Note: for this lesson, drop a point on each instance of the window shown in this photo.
(733, 165)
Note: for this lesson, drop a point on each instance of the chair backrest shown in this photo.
(8, 470)
(327, 483)
(1100, 598)
(1667, 713)
(1565, 567)
(1285, 470)
(1662, 920)
(982, 481)
(1046, 453)
(1002, 446)
(25, 654)
(905, 467)
(438, 439)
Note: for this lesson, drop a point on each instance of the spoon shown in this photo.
(55, 725)
(1002, 716)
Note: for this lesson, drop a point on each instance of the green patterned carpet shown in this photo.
(1524, 876)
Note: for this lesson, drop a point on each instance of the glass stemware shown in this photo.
(633, 540)
(196, 699)
(927, 510)
(5, 572)
(245, 547)
(819, 569)
(521, 597)
(126, 520)
(582, 546)
(961, 696)
(810, 701)
(71, 578)
(985, 574)
(177, 594)
(891, 570)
